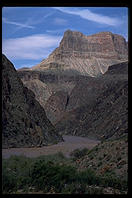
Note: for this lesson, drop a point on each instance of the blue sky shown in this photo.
(30, 34)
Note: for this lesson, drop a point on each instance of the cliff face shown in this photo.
(104, 44)
(24, 122)
(50, 89)
(56, 105)
(89, 55)
(41, 90)
(67, 74)
(106, 115)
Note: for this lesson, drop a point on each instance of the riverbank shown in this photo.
(70, 143)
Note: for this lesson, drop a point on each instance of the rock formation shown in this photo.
(46, 87)
(24, 122)
(56, 106)
(67, 74)
(41, 90)
(89, 55)
(104, 117)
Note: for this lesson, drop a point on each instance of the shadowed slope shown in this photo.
(24, 122)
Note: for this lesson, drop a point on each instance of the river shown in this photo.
(70, 143)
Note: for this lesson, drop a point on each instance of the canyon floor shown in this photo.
(70, 143)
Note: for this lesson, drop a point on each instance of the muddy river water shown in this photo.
(70, 143)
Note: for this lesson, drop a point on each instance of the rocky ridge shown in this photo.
(88, 55)
(103, 117)
(24, 122)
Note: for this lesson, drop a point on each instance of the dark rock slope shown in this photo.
(106, 115)
(51, 90)
(108, 157)
(24, 122)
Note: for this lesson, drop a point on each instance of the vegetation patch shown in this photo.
(47, 175)
(78, 153)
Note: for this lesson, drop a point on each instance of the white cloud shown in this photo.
(21, 25)
(29, 23)
(91, 16)
(37, 19)
(30, 47)
(60, 21)
(27, 65)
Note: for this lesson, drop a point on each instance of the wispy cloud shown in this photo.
(21, 25)
(28, 65)
(60, 21)
(91, 16)
(30, 22)
(37, 20)
(31, 47)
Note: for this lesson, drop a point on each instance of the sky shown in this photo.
(30, 34)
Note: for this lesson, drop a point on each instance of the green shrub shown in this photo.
(105, 155)
(44, 173)
(69, 189)
(111, 180)
(15, 173)
(100, 163)
(50, 174)
(58, 157)
(88, 177)
(77, 153)
(8, 181)
(94, 190)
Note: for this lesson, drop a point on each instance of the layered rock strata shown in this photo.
(89, 55)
